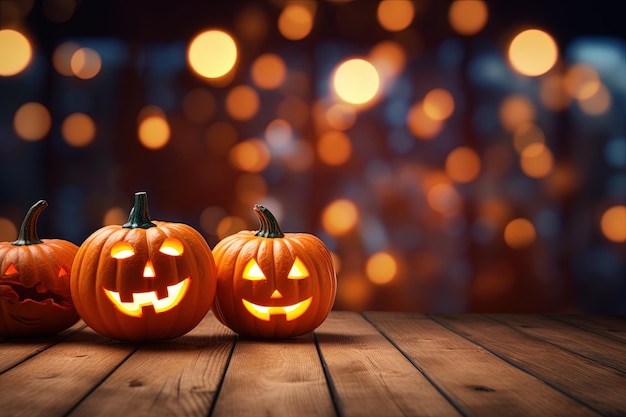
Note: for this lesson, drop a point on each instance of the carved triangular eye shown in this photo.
(171, 247)
(11, 270)
(122, 250)
(298, 270)
(253, 272)
(62, 272)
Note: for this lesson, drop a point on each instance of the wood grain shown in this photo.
(609, 326)
(369, 374)
(169, 378)
(478, 382)
(275, 378)
(598, 387)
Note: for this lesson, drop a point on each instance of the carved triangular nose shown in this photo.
(148, 270)
(276, 294)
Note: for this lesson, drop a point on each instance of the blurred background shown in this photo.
(454, 156)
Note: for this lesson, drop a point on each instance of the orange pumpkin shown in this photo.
(35, 281)
(143, 280)
(273, 285)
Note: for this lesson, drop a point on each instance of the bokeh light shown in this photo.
(533, 52)
(381, 268)
(250, 155)
(438, 104)
(78, 129)
(32, 121)
(468, 17)
(8, 230)
(268, 71)
(62, 57)
(519, 233)
(296, 21)
(154, 131)
(340, 217)
(356, 81)
(463, 164)
(15, 52)
(242, 102)
(85, 63)
(334, 148)
(420, 124)
(395, 15)
(613, 224)
(212, 53)
(114, 216)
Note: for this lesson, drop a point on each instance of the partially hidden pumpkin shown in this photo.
(272, 284)
(35, 281)
(144, 280)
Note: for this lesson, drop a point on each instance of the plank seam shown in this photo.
(218, 389)
(104, 378)
(412, 362)
(334, 395)
(563, 348)
(587, 329)
(521, 368)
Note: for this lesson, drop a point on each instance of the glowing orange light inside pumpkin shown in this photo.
(298, 270)
(122, 250)
(171, 247)
(11, 270)
(175, 293)
(148, 270)
(291, 312)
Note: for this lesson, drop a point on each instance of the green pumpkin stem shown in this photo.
(28, 230)
(269, 224)
(139, 216)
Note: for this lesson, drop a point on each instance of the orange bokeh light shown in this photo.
(295, 21)
(334, 148)
(395, 15)
(16, 52)
(532, 52)
(268, 71)
(519, 233)
(613, 224)
(468, 17)
(242, 102)
(154, 131)
(32, 121)
(340, 217)
(463, 164)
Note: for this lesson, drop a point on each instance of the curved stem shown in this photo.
(269, 224)
(139, 216)
(28, 231)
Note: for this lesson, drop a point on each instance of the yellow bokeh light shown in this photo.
(242, 102)
(250, 155)
(295, 21)
(613, 224)
(468, 17)
(334, 148)
(515, 110)
(438, 104)
(212, 54)
(536, 160)
(154, 132)
(268, 71)
(463, 164)
(420, 124)
(78, 129)
(395, 15)
(85, 63)
(532, 52)
(381, 268)
(519, 233)
(340, 217)
(356, 81)
(32, 121)
(15, 52)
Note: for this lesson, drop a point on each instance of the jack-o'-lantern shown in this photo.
(144, 280)
(35, 281)
(272, 284)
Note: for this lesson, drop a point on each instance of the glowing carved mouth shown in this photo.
(291, 312)
(175, 293)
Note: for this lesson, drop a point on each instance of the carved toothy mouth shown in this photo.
(175, 293)
(17, 293)
(291, 312)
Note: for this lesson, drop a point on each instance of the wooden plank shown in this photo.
(609, 326)
(17, 350)
(370, 376)
(169, 378)
(601, 349)
(599, 387)
(52, 382)
(277, 378)
(478, 382)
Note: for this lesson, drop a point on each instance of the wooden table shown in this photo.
(371, 364)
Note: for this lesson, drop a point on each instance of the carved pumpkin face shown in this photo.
(273, 285)
(144, 280)
(35, 282)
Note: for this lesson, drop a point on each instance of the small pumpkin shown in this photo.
(35, 281)
(272, 284)
(144, 280)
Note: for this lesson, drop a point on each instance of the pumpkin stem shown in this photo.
(139, 216)
(28, 230)
(269, 224)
